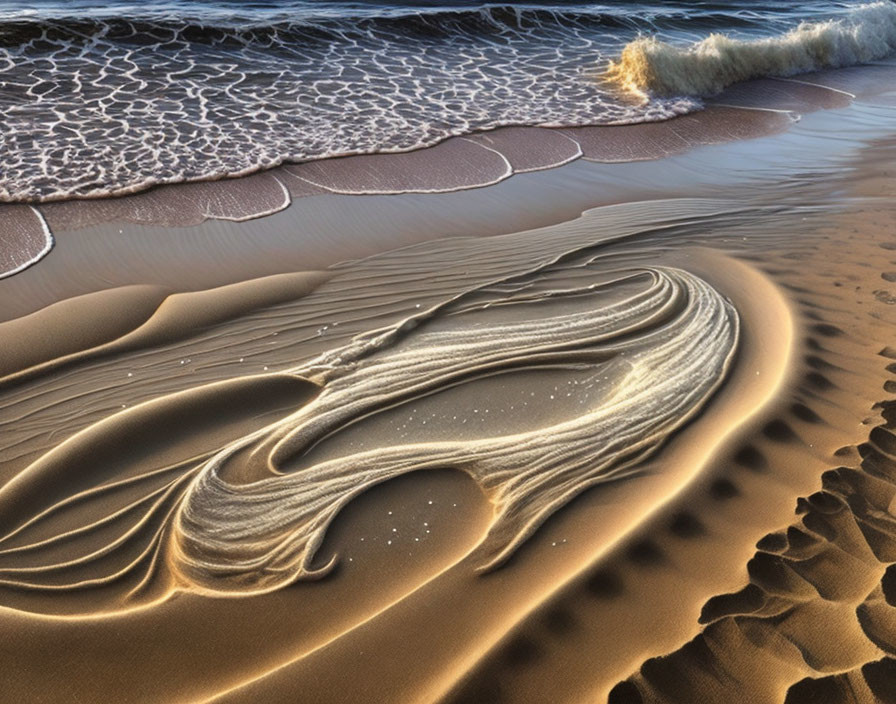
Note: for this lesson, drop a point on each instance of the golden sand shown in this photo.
(633, 452)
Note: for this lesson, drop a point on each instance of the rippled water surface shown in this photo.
(117, 97)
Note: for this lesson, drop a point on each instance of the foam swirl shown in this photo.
(651, 345)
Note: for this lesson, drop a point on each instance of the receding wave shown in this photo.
(640, 351)
(97, 106)
(648, 66)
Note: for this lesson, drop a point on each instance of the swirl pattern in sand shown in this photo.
(632, 353)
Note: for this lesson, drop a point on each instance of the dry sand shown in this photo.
(607, 431)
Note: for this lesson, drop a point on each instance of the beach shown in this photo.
(556, 409)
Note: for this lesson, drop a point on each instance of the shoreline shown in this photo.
(337, 227)
(478, 160)
(146, 354)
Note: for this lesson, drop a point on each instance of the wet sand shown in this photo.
(599, 431)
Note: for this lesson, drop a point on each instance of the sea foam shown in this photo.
(650, 67)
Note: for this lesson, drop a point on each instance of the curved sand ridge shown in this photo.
(641, 596)
(655, 342)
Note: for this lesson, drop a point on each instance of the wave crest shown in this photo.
(648, 66)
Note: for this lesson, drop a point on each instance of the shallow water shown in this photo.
(115, 98)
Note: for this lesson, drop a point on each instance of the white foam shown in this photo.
(12, 262)
(93, 112)
(651, 67)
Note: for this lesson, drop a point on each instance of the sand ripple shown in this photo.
(650, 345)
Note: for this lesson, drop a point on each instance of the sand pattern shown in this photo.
(820, 599)
(296, 437)
(263, 531)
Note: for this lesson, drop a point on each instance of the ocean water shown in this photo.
(109, 98)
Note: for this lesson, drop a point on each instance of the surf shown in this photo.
(650, 67)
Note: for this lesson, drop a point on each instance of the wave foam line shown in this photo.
(650, 67)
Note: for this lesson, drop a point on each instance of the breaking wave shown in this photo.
(112, 101)
(650, 67)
